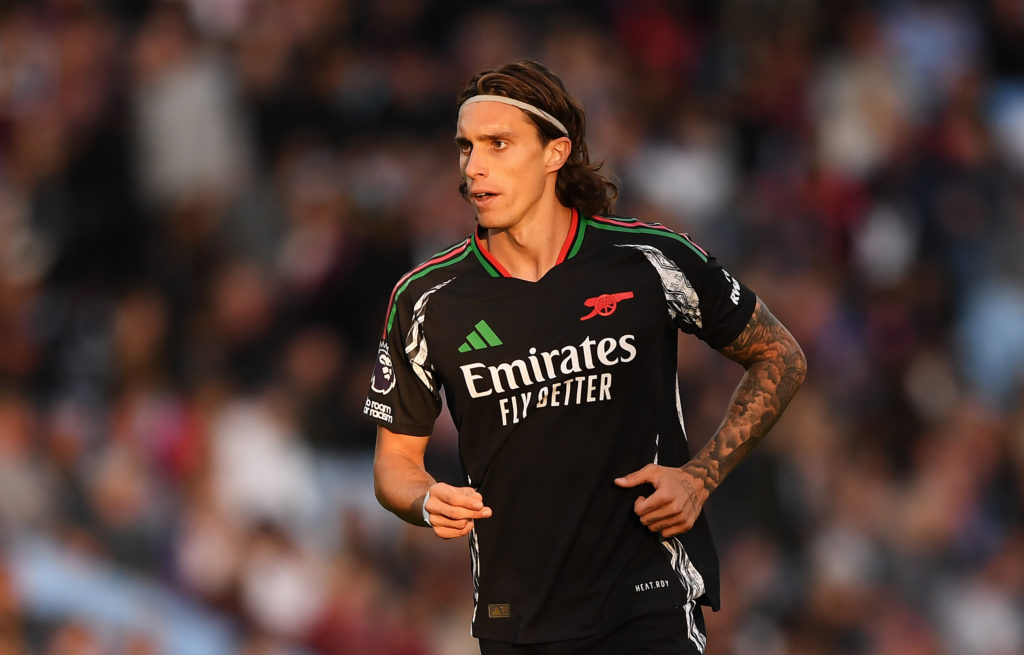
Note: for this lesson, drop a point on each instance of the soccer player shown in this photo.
(552, 330)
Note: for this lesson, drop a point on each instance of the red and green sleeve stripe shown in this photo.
(444, 258)
(632, 225)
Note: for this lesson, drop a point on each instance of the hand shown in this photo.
(452, 510)
(675, 503)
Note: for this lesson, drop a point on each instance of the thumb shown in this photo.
(636, 478)
(465, 497)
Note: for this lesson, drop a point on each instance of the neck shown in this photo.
(530, 249)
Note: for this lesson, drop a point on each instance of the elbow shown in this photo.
(380, 492)
(801, 365)
(796, 366)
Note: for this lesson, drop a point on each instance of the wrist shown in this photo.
(423, 509)
(700, 484)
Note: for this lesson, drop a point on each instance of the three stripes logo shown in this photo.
(481, 337)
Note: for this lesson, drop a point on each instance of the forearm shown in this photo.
(775, 369)
(401, 483)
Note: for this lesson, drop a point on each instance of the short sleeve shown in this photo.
(403, 395)
(726, 305)
(703, 298)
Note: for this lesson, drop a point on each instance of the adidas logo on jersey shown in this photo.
(481, 337)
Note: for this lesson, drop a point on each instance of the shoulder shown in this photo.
(625, 231)
(442, 264)
(437, 269)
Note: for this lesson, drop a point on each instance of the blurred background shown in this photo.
(204, 205)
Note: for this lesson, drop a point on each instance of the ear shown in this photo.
(557, 153)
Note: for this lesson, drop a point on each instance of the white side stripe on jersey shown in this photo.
(693, 631)
(680, 562)
(474, 556)
(683, 303)
(679, 411)
(416, 341)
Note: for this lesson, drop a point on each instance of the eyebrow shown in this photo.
(497, 136)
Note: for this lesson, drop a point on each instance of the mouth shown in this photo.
(482, 199)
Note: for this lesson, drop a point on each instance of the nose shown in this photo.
(473, 164)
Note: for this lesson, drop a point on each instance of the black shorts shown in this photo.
(675, 632)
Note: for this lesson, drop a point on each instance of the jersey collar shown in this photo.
(571, 245)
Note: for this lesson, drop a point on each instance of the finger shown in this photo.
(661, 516)
(671, 529)
(668, 519)
(645, 475)
(441, 521)
(455, 503)
(646, 504)
(457, 513)
(675, 530)
(446, 532)
(461, 496)
(466, 497)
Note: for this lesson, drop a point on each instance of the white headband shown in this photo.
(525, 106)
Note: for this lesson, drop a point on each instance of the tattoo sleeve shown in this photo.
(775, 369)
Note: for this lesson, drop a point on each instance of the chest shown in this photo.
(492, 336)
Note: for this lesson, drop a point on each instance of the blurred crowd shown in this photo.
(204, 205)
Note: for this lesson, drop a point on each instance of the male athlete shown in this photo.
(552, 330)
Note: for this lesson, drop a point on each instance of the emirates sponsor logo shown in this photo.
(542, 366)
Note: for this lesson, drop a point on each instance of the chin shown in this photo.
(491, 221)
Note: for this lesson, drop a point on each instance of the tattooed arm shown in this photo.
(775, 369)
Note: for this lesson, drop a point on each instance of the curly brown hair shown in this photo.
(580, 183)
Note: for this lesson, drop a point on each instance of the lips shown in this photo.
(481, 198)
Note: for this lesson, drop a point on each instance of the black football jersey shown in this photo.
(557, 387)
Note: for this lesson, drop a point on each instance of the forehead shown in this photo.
(488, 118)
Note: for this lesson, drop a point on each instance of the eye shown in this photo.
(465, 148)
(500, 145)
